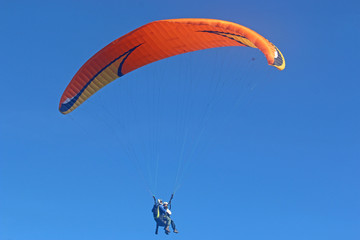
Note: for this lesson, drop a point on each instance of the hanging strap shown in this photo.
(172, 196)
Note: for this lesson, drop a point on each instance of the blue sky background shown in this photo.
(275, 156)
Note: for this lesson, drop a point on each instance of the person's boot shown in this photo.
(176, 231)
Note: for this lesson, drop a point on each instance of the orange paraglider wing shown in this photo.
(155, 41)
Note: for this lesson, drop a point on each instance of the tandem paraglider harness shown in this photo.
(160, 219)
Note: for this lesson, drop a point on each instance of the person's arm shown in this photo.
(168, 212)
(154, 199)
(162, 209)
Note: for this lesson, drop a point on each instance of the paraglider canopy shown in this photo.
(155, 41)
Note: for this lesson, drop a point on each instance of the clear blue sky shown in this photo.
(276, 156)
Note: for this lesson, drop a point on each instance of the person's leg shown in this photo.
(173, 226)
(167, 222)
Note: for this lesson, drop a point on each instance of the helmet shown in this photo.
(159, 201)
(165, 203)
